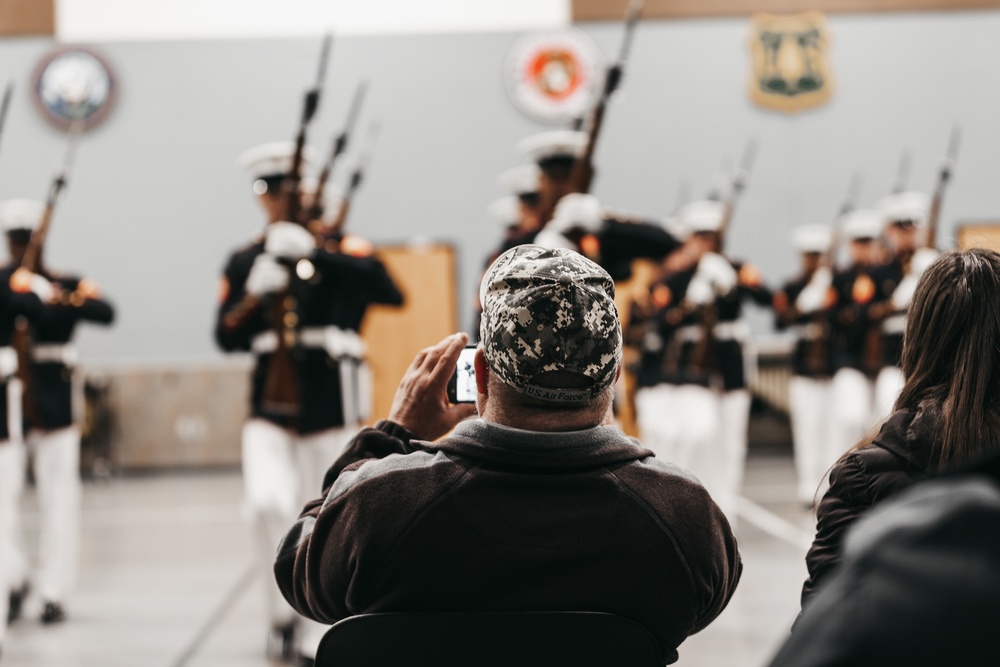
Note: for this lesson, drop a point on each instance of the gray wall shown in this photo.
(156, 203)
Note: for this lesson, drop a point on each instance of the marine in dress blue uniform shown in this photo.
(327, 281)
(49, 421)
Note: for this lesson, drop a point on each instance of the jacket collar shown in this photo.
(600, 446)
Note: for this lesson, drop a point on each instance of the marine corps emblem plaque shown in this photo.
(552, 77)
(790, 72)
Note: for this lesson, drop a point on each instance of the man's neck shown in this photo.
(549, 421)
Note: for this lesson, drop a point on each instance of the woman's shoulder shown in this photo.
(886, 464)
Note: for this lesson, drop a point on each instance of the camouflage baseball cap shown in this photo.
(550, 310)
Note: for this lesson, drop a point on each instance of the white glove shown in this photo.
(812, 298)
(717, 272)
(700, 291)
(903, 293)
(288, 240)
(922, 259)
(550, 239)
(42, 288)
(577, 211)
(266, 276)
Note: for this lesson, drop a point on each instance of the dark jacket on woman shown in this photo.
(897, 457)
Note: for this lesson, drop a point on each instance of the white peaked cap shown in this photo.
(675, 227)
(274, 159)
(21, 214)
(520, 180)
(556, 143)
(506, 210)
(863, 224)
(812, 238)
(702, 216)
(909, 205)
(578, 210)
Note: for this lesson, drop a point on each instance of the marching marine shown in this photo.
(800, 306)
(49, 396)
(855, 320)
(324, 281)
(906, 221)
(700, 422)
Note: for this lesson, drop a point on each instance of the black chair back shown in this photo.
(521, 639)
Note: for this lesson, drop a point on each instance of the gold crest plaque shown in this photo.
(789, 60)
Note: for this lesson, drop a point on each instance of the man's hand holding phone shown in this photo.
(421, 404)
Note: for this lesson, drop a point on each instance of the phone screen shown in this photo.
(462, 386)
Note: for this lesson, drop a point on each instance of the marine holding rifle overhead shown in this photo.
(567, 215)
(43, 308)
(325, 283)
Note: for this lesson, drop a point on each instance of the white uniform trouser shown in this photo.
(809, 405)
(852, 396)
(701, 430)
(281, 472)
(56, 458)
(12, 566)
(888, 385)
(658, 418)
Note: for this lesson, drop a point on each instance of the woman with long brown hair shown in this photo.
(948, 413)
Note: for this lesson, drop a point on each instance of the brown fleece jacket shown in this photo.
(494, 518)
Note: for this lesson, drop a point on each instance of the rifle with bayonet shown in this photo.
(5, 105)
(339, 146)
(817, 354)
(281, 391)
(583, 167)
(356, 178)
(944, 176)
(739, 183)
(902, 173)
(31, 263)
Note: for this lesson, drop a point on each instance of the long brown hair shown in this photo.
(951, 353)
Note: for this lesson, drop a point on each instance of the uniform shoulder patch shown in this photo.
(88, 289)
(355, 246)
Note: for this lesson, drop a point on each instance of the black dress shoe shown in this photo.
(53, 612)
(16, 601)
(281, 643)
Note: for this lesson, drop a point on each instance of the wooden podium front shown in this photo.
(426, 275)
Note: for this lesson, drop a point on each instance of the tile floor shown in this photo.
(165, 578)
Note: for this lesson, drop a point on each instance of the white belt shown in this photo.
(336, 341)
(736, 330)
(63, 353)
(894, 324)
(810, 331)
(8, 362)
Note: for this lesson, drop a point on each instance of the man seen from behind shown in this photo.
(538, 504)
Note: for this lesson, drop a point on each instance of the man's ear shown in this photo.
(482, 372)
